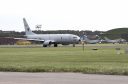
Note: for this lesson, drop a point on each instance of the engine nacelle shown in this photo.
(46, 43)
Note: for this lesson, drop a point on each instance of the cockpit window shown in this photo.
(74, 37)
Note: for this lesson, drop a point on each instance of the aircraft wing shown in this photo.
(29, 39)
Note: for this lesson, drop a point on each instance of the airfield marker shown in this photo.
(83, 45)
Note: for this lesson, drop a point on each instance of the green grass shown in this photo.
(105, 60)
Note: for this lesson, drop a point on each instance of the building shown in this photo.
(7, 41)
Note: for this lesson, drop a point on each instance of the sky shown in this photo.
(101, 15)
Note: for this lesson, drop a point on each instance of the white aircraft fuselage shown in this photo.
(56, 38)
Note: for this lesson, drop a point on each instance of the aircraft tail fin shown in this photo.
(27, 28)
(84, 37)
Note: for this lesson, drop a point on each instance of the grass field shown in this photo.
(105, 60)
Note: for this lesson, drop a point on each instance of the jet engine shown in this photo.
(47, 43)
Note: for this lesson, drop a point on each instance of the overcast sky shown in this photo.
(93, 15)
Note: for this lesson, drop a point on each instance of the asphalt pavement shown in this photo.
(60, 78)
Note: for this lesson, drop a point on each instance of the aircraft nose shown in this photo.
(79, 39)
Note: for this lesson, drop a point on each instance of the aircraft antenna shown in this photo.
(38, 27)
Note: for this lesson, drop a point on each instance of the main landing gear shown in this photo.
(55, 45)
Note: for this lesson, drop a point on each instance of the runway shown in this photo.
(60, 78)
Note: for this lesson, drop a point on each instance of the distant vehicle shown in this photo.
(87, 40)
(122, 40)
(111, 41)
(48, 39)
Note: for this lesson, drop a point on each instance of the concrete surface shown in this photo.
(60, 78)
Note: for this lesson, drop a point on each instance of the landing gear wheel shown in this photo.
(44, 45)
(55, 45)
